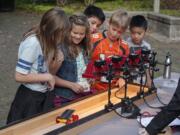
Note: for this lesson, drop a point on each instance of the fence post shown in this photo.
(156, 6)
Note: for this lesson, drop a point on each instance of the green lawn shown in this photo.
(107, 5)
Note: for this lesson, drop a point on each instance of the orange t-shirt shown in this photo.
(109, 49)
(104, 47)
(96, 37)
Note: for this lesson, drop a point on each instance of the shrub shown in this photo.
(170, 4)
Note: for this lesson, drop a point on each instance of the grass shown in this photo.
(128, 5)
(171, 12)
(107, 5)
(34, 7)
(40, 8)
(79, 6)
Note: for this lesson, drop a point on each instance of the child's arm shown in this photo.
(56, 63)
(96, 52)
(67, 84)
(35, 78)
(120, 83)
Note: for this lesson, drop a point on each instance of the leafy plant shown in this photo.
(72, 6)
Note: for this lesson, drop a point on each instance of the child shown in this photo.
(112, 44)
(69, 82)
(96, 18)
(138, 27)
(36, 51)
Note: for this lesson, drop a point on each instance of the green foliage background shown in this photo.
(169, 7)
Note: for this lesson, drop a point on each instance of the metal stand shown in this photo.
(109, 106)
(153, 63)
(128, 108)
(140, 94)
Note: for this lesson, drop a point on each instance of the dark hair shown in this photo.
(138, 21)
(92, 10)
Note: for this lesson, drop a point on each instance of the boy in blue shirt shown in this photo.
(138, 28)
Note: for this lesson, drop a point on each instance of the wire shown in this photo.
(160, 100)
(146, 102)
(150, 106)
(132, 115)
(118, 91)
(157, 94)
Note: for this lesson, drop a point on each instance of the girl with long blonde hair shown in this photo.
(37, 51)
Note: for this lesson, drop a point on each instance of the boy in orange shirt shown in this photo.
(113, 44)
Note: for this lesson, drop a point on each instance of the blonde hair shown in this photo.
(120, 19)
(51, 32)
(80, 20)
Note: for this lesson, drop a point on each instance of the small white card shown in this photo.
(85, 85)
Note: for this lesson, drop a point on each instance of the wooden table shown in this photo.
(90, 110)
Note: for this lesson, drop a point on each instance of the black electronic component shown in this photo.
(116, 59)
(99, 63)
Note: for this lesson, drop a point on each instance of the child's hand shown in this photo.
(51, 81)
(77, 87)
(55, 64)
(91, 81)
(120, 83)
(148, 83)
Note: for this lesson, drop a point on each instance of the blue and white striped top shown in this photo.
(31, 60)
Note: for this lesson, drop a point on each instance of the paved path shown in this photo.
(12, 26)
